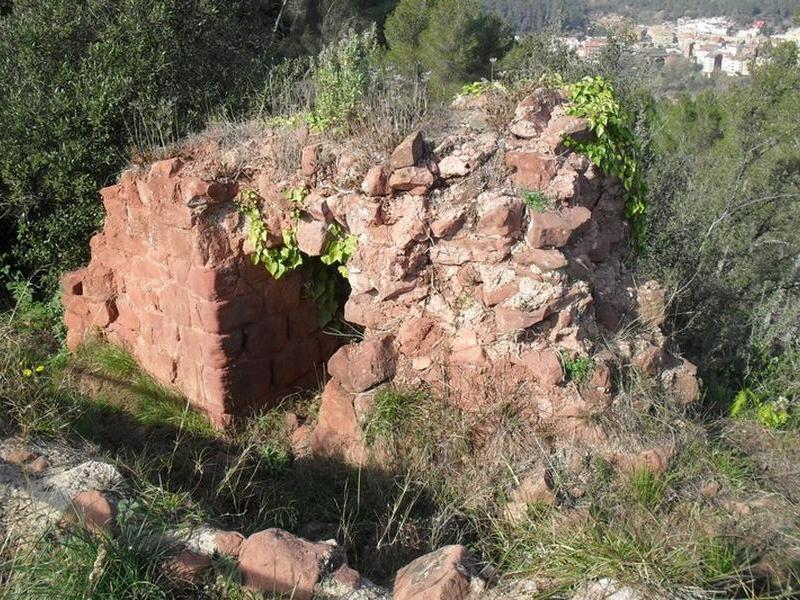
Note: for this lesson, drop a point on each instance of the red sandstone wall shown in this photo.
(169, 281)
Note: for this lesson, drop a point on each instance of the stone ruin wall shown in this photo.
(456, 282)
(170, 282)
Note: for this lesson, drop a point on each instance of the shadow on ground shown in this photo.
(248, 482)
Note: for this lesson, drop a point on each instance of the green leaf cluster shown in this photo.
(341, 247)
(278, 261)
(342, 78)
(614, 149)
(324, 275)
(327, 274)
(772, 392)
(577, 369)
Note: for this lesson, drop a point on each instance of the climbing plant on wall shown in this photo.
(614, 149)
(325, 273)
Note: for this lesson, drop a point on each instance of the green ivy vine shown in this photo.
(325, 273)
(614, 149)
(278, 261)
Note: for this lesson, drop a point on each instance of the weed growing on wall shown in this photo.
(325, 274)
(614, 148)
(577, 369)
(535, 201)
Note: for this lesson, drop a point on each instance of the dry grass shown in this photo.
(721, 520)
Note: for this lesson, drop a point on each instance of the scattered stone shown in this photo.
(710, 489)
(18, 456)
(37, 466)
(535, 488)
(94, 511)
(90, 475)
(441, 575)
(408, 153)
(655, 460)
(358, 367)
(187, 566)
(347, 584)
(228, 543)
(608, 589)
(277, 562)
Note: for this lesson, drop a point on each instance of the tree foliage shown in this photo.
(724, 208)
(453, 40)
(82, 83)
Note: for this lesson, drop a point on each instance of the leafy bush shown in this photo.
(614, 148)
(342, 77)
(722, 221)
(83, 83)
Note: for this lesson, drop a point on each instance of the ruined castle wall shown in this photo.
(486, 259)
(169, 281)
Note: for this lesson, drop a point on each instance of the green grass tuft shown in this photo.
(535, 201)
(647, 488)
(394, 408)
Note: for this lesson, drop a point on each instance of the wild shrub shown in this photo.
(81, 84)
(341, 79)
(722, 217)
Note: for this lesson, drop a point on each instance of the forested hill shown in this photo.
(528, 15)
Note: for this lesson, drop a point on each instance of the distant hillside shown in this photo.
(530, 15)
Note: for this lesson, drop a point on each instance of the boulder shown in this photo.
(441, 575)
(277, 562)
(535, 488)
(94, 510)
(409, 151)
(358, 367)
(188, 566)
(531, 170)
(554, 230)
